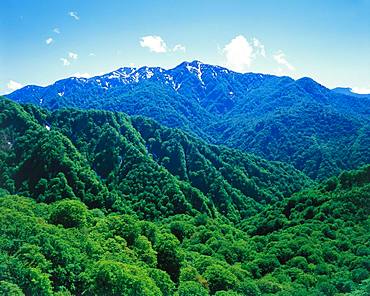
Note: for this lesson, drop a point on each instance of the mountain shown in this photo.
(314, 243)
(348, 91)
(132, 165)
(96, 202)
(301, 122)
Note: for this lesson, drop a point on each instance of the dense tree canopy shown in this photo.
(320, 247)
(112, 162)
(98, 203)
(301, 122)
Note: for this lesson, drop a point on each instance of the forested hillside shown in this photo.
(315, 243)
(112, 162)
(128, 167)
(100, 203)
(317, 130)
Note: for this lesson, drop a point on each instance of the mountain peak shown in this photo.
(126, 69)
(311, 85)
(195, 63)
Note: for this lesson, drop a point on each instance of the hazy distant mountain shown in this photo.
(348, 91)
(301, 122)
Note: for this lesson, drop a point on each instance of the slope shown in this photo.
(314, 243)
(109, 161)
(296, 121)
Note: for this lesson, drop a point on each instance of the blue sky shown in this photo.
(43, 41)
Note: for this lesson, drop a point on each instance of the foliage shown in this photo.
(319, 131)
(104, 204)
(112, 162)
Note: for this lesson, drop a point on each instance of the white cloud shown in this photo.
(73, 56)
(179, 47)
(13, 85)
(361, 90)
(65, 62)
(81, 75)
(259, 47)
(154, 43)
(74, 15)
(49, 40)
(280, 58)
(238, 54)
(56, 30)
(91, 54)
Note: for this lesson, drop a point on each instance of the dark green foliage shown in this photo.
(318, 140)
(163, 281)
(169, 258)
(231, 180)
(325, 249)
(192, 289)
(248, 287)
(68, 213)
(109, 162)
(319, 131)
(117, 254)
(120, 206)
(227, 293)
(115, 278)
(219, 278)
(10, 289)
(360, 274)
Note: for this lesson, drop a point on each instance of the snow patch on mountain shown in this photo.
(195, 67)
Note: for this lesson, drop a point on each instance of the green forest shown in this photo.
(299, 122)
(96, 202)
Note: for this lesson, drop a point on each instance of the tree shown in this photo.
(125, 226)
(189, 288)
(7, 288)
(58, 189)
(118, 279)
(169, 258)
(69, 213)
(163, 281)
(219, 278)
(144, 249)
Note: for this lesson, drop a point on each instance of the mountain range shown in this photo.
(317, 130)
(115, 156)
(95, 202)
